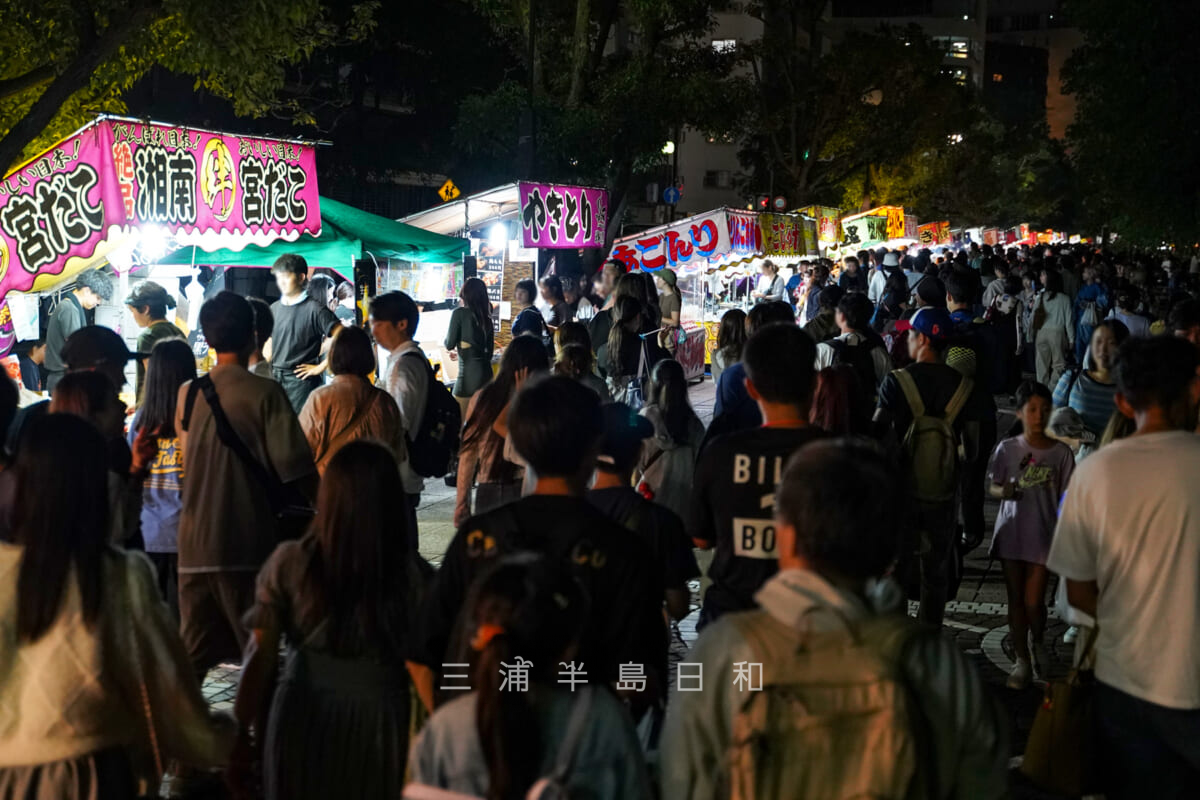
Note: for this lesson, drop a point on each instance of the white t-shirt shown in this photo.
(1131, 522)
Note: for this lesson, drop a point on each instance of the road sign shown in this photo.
(780, 203)
(671, 195)
(448, 191)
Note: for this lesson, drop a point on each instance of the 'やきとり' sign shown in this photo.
(76, 202)
(689, 242)
(562, 216)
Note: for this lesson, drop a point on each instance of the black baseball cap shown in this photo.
(624, 432)
(96, 346)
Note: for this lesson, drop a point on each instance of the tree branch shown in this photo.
(10, 87)
(73, 78)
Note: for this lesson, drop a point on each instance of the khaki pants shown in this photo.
(1051, 355)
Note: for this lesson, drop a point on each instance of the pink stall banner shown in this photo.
(563, 216)
(687, 243)
(73, 203)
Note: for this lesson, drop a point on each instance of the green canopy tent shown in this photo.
(347, 234)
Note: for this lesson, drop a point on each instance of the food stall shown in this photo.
(123, 192)
(514, 232)
(716, 256)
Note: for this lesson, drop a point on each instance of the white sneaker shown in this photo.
(1020, 676)
(1071, 635)
(1040, 658)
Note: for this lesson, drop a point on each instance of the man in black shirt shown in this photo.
(973, 352)
(302, 325)
(929, 331)
(734, 488)
(556, 426)
(658, 527)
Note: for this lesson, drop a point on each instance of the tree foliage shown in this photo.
(1134, 139)
(68, 60)
(993, 175)
(606, 97)
(821, 119)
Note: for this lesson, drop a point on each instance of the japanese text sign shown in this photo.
(562, 216)
(205, 188)
(929, 235)
(783, 235)
(685, 243)
(864, 230)
(745, 236)
(828, 223)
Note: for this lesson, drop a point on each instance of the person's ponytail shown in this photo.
(506, 724)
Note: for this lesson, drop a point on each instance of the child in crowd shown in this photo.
(519, 727)
(1029, 473)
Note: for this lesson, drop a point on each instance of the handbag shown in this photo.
(1061, 754)
(293, 511)
(634, 394)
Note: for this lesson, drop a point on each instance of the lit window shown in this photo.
(997, 77)
(724, 45)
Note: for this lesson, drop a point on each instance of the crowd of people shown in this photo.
(270, 504)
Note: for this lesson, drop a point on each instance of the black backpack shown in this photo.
(432, 447)
(857, 357)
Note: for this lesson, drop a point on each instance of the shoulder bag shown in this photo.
(1061, 754)
(292, 510)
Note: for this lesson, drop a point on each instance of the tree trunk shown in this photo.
(73, 78)
(579, 52)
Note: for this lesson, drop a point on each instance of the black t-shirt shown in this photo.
(734, 509)
(615, 568)
(936, 383)
(659, 528)
(299, 331)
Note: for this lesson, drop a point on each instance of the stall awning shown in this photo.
(503, 202)
(119, 185)
(347, 233)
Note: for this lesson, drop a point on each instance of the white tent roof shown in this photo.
(458, 216)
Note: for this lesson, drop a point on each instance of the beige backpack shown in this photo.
(833, 722)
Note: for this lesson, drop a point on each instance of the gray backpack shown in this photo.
(932, 448)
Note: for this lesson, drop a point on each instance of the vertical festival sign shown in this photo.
(562, 216)
(688, 242)
(745, 232)
(73, 204)
(782, 234)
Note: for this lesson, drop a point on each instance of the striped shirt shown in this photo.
(1090, 398)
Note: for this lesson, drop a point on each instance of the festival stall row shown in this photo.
(716, 257)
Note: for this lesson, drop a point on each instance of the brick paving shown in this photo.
(976, 619)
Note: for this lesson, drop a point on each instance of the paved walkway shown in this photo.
(976, 619)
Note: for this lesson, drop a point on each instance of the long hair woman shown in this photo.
(622, 355)
(104, 720)
(171, 365)
(668, 461)
(341, 597)
(481, 461)
(731, 338)
(495, 742)
(470, 340)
